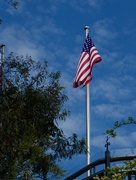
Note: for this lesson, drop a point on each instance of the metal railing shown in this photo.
(127, 154)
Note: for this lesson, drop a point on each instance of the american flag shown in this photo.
(88, 58)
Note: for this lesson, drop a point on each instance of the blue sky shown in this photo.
(54, 30)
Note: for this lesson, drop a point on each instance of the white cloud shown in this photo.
(104, 33)
(18, 40)
(98, 141)
(121, 141)
(94, 3)
(114, 89)
(74, 124)
(125, 140)
(114, 111)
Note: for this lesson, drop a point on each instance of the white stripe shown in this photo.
(95, 54)
(82, 60)
(82, 69)
(95, 57)
(88, 78)
(85, 75)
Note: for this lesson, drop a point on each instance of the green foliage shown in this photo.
(32, 105)
(119, 172)
(111, 132)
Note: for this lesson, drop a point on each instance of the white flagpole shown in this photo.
(87, 116)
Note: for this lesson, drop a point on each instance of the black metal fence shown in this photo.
(107, 161)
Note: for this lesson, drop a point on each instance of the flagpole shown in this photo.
(86, 28)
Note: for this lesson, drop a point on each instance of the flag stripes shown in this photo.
(88, 58)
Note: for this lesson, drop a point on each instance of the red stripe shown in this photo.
(87, 63)
(98, 59)
(83, 65)
(87, 81)
(81, 59)
(82, 74)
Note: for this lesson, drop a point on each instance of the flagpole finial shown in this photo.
(86, 28)
(2, 45)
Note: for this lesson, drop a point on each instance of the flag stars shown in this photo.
(88, 44)
(88, 58)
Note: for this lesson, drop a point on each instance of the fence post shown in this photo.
(107, 155)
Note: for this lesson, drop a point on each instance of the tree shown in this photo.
(111, 132)
(32, 105)
(119, 172)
